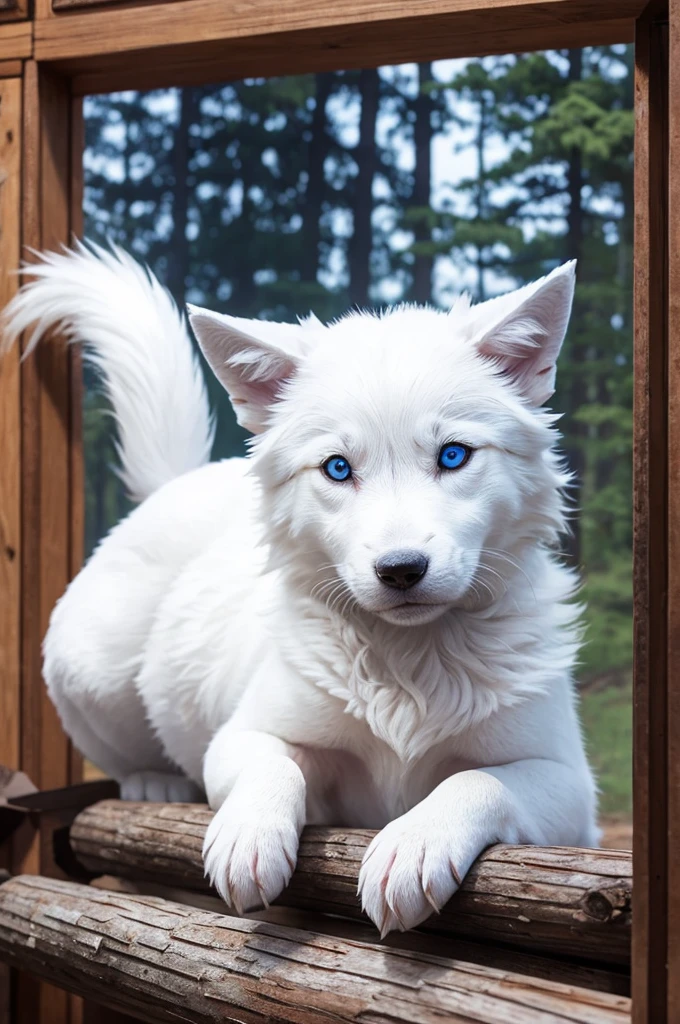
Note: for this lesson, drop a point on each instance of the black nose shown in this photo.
(401, 569)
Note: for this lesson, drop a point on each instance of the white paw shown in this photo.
(410, 870)
(249, 857)
(161, 787)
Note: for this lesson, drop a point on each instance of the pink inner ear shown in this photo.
(260, 392)
(512, 366)
(523, 370)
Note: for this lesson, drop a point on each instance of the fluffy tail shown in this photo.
(134, 334)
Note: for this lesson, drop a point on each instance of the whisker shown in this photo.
(476, 579)
(515, 564)
(335, 593)
(487, 568)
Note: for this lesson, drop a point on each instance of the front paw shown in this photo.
(411, 869)
(249, 858)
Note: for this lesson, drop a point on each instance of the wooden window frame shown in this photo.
(50, 60)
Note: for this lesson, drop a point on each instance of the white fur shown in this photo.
(233, 625)
(151, 375)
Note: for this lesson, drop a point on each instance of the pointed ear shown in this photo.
(251, 358)
(526, 340)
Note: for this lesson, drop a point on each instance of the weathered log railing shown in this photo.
(534, 936)
(165, 962)
(569, 903)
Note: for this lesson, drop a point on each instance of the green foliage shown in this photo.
(607, 716)
(609, 635)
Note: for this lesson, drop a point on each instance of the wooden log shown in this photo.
(163, 962)
(564, 969)
(551, 900)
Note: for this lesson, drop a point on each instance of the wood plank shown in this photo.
(47, 446)
(16, 40)
(154, 958)
(650, 527)
(30, 461)
(13, 10)
(673, 625)
(327, 49)
(54, 368)
(71, 5)
(175, 40)
(556, 901)
(76, 455)
(10, 432)
(186, 21)
(11, 68)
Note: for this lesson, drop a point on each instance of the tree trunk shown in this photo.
(360, 245)
(421, 289)
(551, 900)
(577, 354)
(481, 192)
(164, 962)
(316, 183)
(605, 467)
(178, 248)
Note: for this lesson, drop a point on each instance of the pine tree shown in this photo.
(420, 211)
(360, 248)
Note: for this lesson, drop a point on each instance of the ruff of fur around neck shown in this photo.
(416, 686)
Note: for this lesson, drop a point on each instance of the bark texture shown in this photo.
(164, 962)
(551, 900)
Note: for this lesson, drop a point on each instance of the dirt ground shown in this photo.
(617, 834)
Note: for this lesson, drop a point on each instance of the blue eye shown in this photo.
(453, 456)
(337, 468)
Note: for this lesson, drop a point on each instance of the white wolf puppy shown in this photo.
(361, 624)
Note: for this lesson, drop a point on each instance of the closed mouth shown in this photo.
(405, 605)
(411, 604)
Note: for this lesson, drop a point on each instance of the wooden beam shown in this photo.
(46, 429)
(160, 960)
(556, 901)
(192, 41)
(651, 554)
(14, 10)
(326, 50)
(10, 432)
(71, 5)
(76, 455)
(16, 40)
(96, 33)
(11, 68)
(673, 556)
